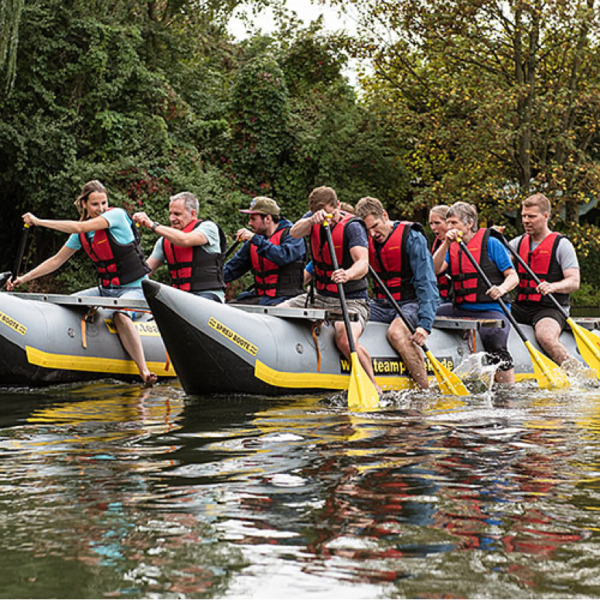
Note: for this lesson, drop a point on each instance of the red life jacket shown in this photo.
(117, 264)
(444, 282)
(543, 263)
(390, 261)
(271, 279)
(468, 286)
(322, 258)
(191, 268)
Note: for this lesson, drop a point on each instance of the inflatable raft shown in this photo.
(218, 348)
(48, 339)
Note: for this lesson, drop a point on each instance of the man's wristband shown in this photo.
(154, 226)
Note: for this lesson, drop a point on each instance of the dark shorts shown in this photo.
(531, 315)
(383, 312)
(494, 339)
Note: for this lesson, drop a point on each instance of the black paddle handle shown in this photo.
(393, 302)
(489, 284)
(340, 287)
(232, 248)
(20, 252)
(530, 272)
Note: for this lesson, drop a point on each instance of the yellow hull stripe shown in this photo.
(68, 362)
(326, 381)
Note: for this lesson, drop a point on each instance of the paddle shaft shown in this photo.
(531, 273)
(340, 287)
(487, 282)
(20, 252)
(232, 248)
(393, 302)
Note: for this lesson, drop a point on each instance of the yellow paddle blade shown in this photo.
(450, 384)
(548, 374)
(588, 345)
(362, 394)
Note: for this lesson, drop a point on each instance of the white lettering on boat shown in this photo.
(15, 325)
(233, 336)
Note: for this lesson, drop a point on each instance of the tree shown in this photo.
(493, 99)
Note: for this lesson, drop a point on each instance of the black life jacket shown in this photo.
(468, 285)
(544, 264)
(322, 258)
(192, 268)
(271, 279)
(117, 264)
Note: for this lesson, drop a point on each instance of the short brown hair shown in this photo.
(369, 206)
(540, 201)
(321, 197)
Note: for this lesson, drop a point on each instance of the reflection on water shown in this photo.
(109, 490)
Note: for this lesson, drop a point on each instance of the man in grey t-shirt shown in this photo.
(553, 259)
(194, 250)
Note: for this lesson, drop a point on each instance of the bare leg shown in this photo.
(399, 335)
(341, 339)
(133, 346)
(547, 332)
(506, 376)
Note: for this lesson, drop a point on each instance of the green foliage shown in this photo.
(154, 98)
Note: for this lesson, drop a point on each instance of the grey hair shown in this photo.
(189, 201)
(465, 213)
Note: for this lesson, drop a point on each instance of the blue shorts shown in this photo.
(134, 293)
(383, 312)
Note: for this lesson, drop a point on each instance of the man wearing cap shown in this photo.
(193, 249)
(275, 258)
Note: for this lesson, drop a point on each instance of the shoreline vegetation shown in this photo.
(460, 102)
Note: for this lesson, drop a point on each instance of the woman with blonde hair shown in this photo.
(109, 238)
(439, 226)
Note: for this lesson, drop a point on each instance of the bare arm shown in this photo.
(185, 239)
(511, 281)
(439, 258)
(154, 264)
(94, 224)
(175, 236)
(569, 284)
(302, 227)
(48, 266)
(359, 268)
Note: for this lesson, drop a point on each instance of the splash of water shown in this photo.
(476, 374)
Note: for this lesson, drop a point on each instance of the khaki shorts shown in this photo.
(358, 307)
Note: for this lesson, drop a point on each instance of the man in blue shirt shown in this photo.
(399, 254)
(275, 258)
(472, 298)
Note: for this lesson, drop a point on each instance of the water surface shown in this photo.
(113, 491)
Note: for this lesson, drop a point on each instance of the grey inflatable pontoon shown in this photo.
(48, 339)
(219, 348)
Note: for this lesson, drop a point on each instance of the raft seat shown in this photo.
(310, 314)
(92, 301)
(466, 323)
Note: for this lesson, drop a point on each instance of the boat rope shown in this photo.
(167, 360)
(313, 330)
(83, 335)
